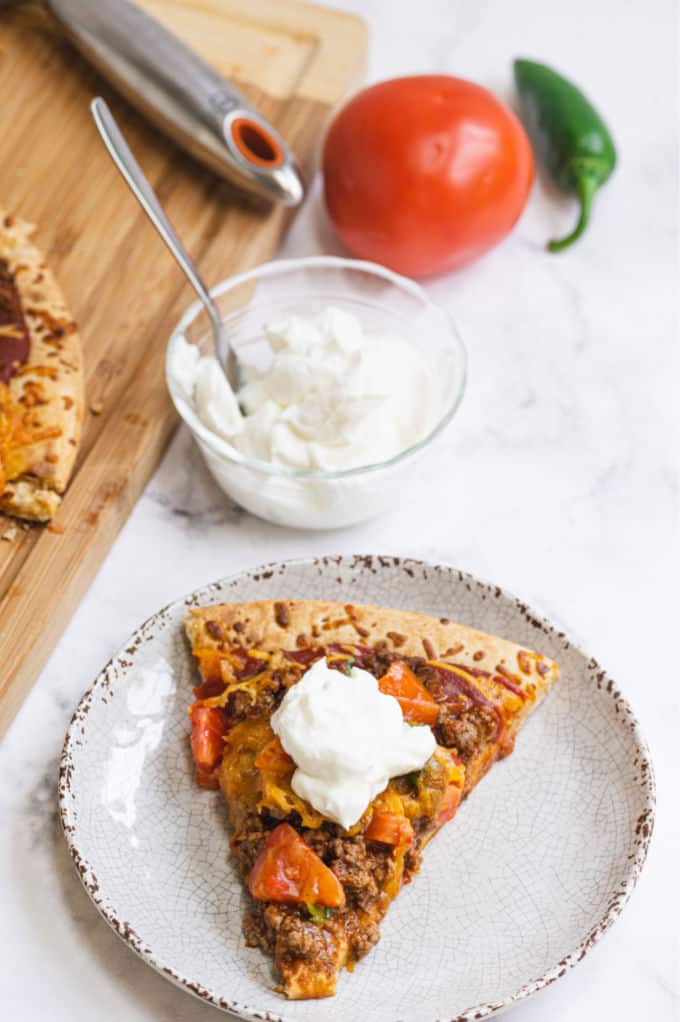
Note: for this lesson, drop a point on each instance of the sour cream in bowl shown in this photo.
(349, 373)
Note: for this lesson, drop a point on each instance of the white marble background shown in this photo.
(558, 480)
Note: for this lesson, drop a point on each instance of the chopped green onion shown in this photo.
(318, 913)
(349, 664)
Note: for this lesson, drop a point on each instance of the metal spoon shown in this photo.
(134, 176)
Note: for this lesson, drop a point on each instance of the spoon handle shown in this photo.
(147, 198)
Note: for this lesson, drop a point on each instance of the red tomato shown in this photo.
(416, 703)
(208, 726)
(425, 174)
(389, 829)
(287, 870)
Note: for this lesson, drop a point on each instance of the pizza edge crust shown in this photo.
(34, 494)
(25, 498)
(257, 626)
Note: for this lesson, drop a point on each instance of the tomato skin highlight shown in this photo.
(389, 829)
(288, 871)
(416, 703)
(208, 727)
(426, 173)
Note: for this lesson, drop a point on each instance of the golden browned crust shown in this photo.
(285, 624)
(26, 498)
(303, 981)
(49, 387)
(269, 625)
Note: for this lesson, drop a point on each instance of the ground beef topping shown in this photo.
(465, 731)
(361, 867)
(246, 844)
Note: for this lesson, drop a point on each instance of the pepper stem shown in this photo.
(586, 186)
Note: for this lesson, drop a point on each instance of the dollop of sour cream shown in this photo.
(334, 396)
(347, 739)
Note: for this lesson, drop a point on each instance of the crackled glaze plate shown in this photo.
(536, 866)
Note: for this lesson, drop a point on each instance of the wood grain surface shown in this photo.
(294, 62)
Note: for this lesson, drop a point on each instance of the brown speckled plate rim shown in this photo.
(371, 562)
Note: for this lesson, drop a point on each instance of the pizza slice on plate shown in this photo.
(41, 381)
(343, 737)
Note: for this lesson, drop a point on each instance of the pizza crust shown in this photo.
(26, 498)
(49, 385)
(270, 625)
(260, 625)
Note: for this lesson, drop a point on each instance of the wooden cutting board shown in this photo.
(294, 62)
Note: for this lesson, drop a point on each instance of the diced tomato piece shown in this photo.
(273, 759)
(208, 727)
(449, 804)
(207, 781)
(287, 870)
(389, 829)
(416, 703)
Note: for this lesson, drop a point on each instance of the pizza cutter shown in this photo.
(182, 94)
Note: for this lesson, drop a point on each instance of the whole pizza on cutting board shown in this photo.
(343, 738)
(41, 379)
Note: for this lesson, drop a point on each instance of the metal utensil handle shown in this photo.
(179, 91)
(144, 56)
(137, 181)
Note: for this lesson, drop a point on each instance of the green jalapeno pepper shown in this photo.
(569, 135)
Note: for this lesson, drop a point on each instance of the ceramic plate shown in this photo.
(538, 863)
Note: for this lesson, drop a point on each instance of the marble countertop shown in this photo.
(558, 479)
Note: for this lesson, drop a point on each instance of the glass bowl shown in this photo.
(382, 300)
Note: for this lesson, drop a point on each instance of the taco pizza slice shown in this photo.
(343, 738)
